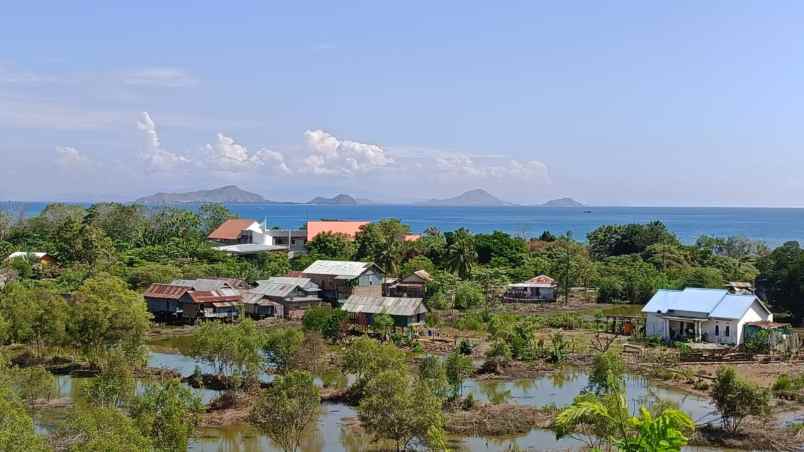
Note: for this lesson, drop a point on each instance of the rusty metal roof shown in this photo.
(166, 291)
(230, 229)
(203, 296)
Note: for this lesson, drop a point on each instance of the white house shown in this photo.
(245, 236)
(710, 315)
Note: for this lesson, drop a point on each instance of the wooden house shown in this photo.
(413, 285)
(405, 311)
(191, 300)
(541, 288)
(207, 305)
(165, 300)
(281, 296)
(337, 280)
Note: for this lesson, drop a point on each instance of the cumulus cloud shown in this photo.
(157, 158)
(228, 155)
(70, 157)
(329, 155)
(167, 77)
(492, 167)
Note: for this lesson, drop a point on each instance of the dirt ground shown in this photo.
(762, 374)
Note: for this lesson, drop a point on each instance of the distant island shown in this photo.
(471, 198)
(339, 200)
(562, 202)
(229, 193)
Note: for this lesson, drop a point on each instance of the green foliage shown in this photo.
(468, 295)
(398, 407)
(168, 413)
(37, 316)
(737, 399)
(382, 323)
(32, 383)
(783, 278)
(234, 350)
(287, 408)
(16, 426)
(499, 355)
(758, 342)
(90, 429)
(330, 323)
(460, 253)
(281, 346)
(107, 315)
(618, 240)
(433, 373)
(500, 245)
(417, 263)
(492, 280)
(559, 348)
(21, 265)
(786, 382)
(628, 279)
(382, 243)
(707, 277)
(365, 358)
(212, 215)
(114, 386)
(459, 368)
(607, 373)
(328, 245)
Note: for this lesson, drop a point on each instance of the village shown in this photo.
(356, 314)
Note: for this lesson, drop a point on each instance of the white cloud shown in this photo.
(329, 155)
(161, 77)
(228, 155)
(72, 158)
(493, 167)
(155, 157)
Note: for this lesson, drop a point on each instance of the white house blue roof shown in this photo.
(695, 302)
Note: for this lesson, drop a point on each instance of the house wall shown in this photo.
(370, 277)
(754, 314)
(654, 325)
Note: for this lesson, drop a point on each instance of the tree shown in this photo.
(618, 240)
(287, 408)
(16, 426)
(570, 264)
(399, 408)
(168, 413)
(281, 346)
(366, 358)
(459, 368)
(461, 254)
(417, 263)
(736, 399)
(510, 250)
(213, 214)
(108, 315)
(493, 281)
(468, 295)
(234, 350)
(382, 243)
(90, 429)
(433, 373)
(382, 323)
(607, 373)
(329, 245)
(706, 277)
(114, 386)
(36, 316)
(782, 278)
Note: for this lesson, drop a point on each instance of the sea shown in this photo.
(773, 226)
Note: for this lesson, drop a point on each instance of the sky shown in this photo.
(633, 103)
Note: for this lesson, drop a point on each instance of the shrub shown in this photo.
(737, 399)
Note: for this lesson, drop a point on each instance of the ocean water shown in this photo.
(771, 225)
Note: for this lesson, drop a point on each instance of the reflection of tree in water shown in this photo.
(495, 391)
(564, 376)
(524, 385)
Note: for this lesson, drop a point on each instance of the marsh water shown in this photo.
(332, 433)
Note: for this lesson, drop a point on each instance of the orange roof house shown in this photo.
(231, 229)
(348, 228)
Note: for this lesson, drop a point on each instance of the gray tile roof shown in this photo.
(398, 306)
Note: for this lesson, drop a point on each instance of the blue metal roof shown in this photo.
(733, 306)
(709, 302)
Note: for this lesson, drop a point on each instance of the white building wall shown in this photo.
(756, 313)
(654, 325)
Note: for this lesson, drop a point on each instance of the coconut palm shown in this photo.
(461, 254)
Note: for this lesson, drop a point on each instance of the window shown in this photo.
(717, 330)
(727, 331)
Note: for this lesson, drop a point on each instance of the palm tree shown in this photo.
(461, 254)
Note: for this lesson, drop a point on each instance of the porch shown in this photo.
(684, 328)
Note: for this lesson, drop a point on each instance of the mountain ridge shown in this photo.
(471, 198)
(227, 193)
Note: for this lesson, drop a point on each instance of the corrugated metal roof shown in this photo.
(202, 296)
(230, 229)
(166, 291)
(337, 268)
(690, 300)
(305, 283)
(386, 305)
(275, 290)
(203, 284)
(703, 302)
(733, 306)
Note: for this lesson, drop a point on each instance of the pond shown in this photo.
(332, 434)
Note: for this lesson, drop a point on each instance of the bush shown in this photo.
(737, 399)
(468, 295)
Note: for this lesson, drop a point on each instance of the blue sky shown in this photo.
(612, 103)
